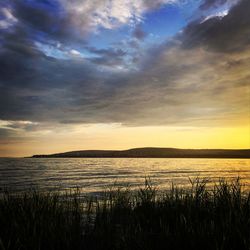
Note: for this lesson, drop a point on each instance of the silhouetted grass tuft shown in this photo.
(195, 218)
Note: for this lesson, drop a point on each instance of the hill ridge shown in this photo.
(152, 152)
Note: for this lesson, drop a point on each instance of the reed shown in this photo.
(194, 218)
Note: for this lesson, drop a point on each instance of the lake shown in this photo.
(95, 175)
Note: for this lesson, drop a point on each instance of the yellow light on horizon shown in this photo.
(116, 136)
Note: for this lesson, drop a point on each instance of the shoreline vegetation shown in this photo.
(199, 217)
(150, 152)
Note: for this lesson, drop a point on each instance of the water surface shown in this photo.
(96, 174)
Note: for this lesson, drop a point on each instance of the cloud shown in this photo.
(46, 17)
(201, 76)
(219, 14)
(209, 4)
(62, 19)
(228, 34)
(75, 52)
(92, 14)
(7, 18)
(107, 57)
(42, 25)
(139, 34)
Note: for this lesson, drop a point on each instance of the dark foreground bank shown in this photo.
(178, 219)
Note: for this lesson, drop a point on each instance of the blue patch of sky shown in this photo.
(169, 20)
(163, 23)
(160, 24)
(51, 51)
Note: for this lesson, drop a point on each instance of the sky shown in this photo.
(118, 74)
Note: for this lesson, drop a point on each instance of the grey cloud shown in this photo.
(162, 94)
(32, 85)
(10, 136)
(4, 132)
(156, 4)
(139, 34)
(107, 57)
(16, 55)
(40, 19)
(108, 61)
(107, 52)
(228, 34)
(134, 44)
(173, 85)
(207, 4)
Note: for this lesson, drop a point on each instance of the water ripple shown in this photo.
(94, 175)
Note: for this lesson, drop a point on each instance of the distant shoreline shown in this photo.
(153, 153)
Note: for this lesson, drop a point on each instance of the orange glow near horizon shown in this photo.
(112, 136)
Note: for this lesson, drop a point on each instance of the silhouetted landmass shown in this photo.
(153, 153)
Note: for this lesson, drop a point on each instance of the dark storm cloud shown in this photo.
(34, 86)
(16, 54)
(175, 83)
(45, 17)
(50, 95)
(38, 16)
(228, 34)
(37, 87)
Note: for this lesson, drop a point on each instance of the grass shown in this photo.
(195, 218)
